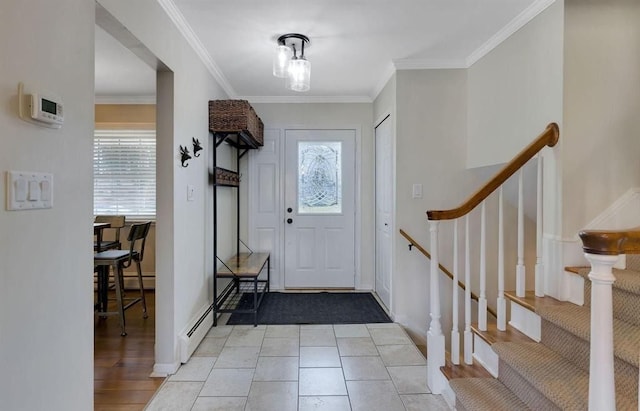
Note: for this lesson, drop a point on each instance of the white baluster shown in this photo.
(455, 334)
(468, 338)
(520, 270)
(602, 394)
(482, 299)
(539, 267)
(501, 303)
(435, 338)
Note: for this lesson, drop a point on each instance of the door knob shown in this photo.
(289, 220)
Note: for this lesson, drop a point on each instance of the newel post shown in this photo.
(602, 394)
(435, 337)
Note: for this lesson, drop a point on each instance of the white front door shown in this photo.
(384, 209)
(319, 209)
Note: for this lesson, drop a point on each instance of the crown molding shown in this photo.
(428, 64)
(514, 25)
(389, 72)
(181, 23)
(307, 99)
(125, 99)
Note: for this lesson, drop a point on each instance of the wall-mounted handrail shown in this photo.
(549, 137)
(444, 269)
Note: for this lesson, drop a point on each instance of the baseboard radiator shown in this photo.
(191, 336)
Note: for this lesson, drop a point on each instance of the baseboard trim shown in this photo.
(161, 370)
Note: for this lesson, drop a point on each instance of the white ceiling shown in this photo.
(355, 44)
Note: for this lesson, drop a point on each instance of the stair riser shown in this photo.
(626, 305)
(523, 390)
(525, 321)
(483, 354)
(577, 350)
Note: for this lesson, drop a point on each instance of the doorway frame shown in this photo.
(164, 280)
(277, 279)
(388, 113)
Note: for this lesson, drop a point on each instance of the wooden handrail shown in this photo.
(549, 138)
(606, 242)
(442, 268)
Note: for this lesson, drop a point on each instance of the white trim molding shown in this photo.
(306, 99)
(183, 26)
(164, 370)
(429, 64)
(514, 25)
(622, 213)
(125, 99)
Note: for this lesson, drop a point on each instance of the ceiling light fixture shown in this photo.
(296, 69)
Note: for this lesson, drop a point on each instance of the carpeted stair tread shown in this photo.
(627, 280)
(552, 375)
(485, 394)
(577, 320)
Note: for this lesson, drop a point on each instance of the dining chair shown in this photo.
(116, 222)
(119, 260)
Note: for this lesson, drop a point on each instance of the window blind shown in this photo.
(124, 173)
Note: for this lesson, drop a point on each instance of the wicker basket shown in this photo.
(227, 177)
(235, 116)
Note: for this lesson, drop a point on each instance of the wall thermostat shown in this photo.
(41, 109)
(46, 109)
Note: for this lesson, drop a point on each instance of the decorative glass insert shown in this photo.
(319, 177)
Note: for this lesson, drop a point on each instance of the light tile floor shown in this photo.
(305, 368)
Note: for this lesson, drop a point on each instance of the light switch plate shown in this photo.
(417, 191)
(28, 190)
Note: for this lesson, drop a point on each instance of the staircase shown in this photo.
(552, 355)
(553, 374)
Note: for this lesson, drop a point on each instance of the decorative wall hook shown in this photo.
(184, 155)
(196, 147)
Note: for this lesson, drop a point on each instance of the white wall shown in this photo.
(601, 132)
(46, 281)
(516, 90)
(184, 261)
(430, 150)
(327, 115)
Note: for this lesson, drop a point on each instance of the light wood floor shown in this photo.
(122, 364)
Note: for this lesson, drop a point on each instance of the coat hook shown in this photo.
(410, 245)
(184, 155)
(196, 146)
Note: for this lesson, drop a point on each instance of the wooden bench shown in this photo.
(243, 268)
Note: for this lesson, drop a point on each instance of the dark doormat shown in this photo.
(312, 308)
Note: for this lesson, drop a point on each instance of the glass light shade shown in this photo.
(281, 61)
(299, 78)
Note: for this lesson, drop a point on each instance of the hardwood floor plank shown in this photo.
(122, 365)
(128, 385)
(118, 407)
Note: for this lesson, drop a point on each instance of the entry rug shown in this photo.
(312, 308)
